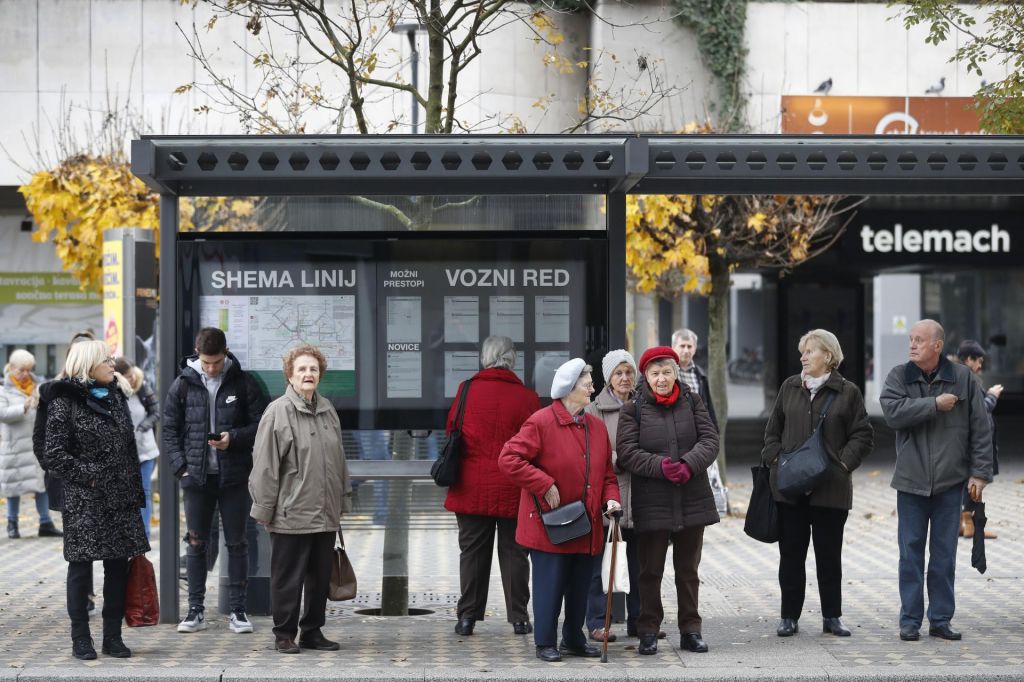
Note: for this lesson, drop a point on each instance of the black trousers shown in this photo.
(115, 582)
(560, 579)
(652, 548)
(201, 503)
(476, 545)
(799, 524)
(299, 563)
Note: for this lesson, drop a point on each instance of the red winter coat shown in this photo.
(549, 449)
(496, 406)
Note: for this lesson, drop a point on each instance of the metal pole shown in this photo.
(616, 224)
(415, 59)
(167, 347)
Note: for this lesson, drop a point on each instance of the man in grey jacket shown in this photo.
(943, 439)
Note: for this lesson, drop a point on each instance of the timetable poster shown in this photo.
(434, 316)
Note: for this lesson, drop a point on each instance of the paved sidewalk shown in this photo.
(739, 602)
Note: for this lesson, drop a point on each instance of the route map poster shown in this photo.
(400, 320)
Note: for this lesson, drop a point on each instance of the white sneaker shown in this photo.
(194, 621)
(239, 622)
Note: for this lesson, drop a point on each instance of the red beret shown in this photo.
(657, 353)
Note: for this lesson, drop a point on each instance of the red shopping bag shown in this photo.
(141, 604)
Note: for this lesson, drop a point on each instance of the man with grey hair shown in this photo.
(943, 440)
(684, 343)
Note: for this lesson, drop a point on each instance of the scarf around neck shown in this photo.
(26, 386)
(813, 384)
(669, 399)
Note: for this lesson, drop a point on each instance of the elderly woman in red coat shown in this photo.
(484, 501)
(562, 455)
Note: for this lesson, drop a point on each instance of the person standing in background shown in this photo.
(20, 472)
(972, 355)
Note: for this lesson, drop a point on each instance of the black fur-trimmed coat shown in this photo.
(90, 444)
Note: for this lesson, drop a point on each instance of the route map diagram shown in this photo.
(261, 328)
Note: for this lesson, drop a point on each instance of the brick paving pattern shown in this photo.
(739, 602)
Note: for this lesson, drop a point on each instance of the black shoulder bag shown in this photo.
(570, 521)
(803, 468)
(445, 469)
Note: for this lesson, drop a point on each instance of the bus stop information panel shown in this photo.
(400, 321)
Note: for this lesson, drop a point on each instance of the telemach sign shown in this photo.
(898, 239)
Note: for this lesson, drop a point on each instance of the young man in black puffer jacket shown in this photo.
(213, 395)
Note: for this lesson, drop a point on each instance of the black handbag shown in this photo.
(569, 521)
(804, 467)
(445, 469)
(762, 522)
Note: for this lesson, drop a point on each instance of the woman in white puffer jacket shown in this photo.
(20, 472)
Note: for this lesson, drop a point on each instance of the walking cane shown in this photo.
(611, 585)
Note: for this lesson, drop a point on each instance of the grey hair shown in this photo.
(497, 352)
(938, 333)
(20, 358)
(828, 342)
(680, 334)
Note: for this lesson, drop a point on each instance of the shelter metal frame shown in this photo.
(609, 165)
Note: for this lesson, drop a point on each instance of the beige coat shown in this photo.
(299, 481)
(19, 470)
(606, 408)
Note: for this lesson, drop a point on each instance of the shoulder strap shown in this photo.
(460, 412)
(824, 410)
(586, 467)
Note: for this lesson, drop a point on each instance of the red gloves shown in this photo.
(677, 472)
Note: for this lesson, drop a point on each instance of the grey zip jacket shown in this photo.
(935, 450)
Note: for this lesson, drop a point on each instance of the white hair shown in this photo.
(20, 358)
(663, 362)
(85, 355)
(497, 352)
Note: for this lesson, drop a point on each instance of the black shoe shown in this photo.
(319, 642)
(548, 654)
(114, 646)
(286, 646)
(648, 645)
(48, 530)
(586, 651)
(835, 627)
(523, 628)
(13, 534)
(692, 641)
(787, 627)
(944, 631)
(910, 633)
(465, 626)
(82, 649)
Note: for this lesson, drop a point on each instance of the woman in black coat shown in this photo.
(667, 440)
(90, 444)
(821, 514)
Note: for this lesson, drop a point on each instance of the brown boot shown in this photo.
(967, 524)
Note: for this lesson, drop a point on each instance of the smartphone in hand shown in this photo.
(213, 436)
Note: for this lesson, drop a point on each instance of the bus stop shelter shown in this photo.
(602, 166)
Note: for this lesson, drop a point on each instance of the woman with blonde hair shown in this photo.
(90, 444)
(19, 471)
(818, 397)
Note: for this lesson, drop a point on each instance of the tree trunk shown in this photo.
(718, 337)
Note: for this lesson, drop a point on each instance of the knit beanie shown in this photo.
(657, 353)
(613, 359)
(565, 377)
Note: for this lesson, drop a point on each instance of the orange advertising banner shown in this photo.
(879, 115)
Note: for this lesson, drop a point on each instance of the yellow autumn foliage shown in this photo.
(75, 202)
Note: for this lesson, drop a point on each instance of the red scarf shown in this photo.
(669, 399)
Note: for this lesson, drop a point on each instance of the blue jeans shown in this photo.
(559, 578)
(147, 489)
(42, 507)
(915, 512)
